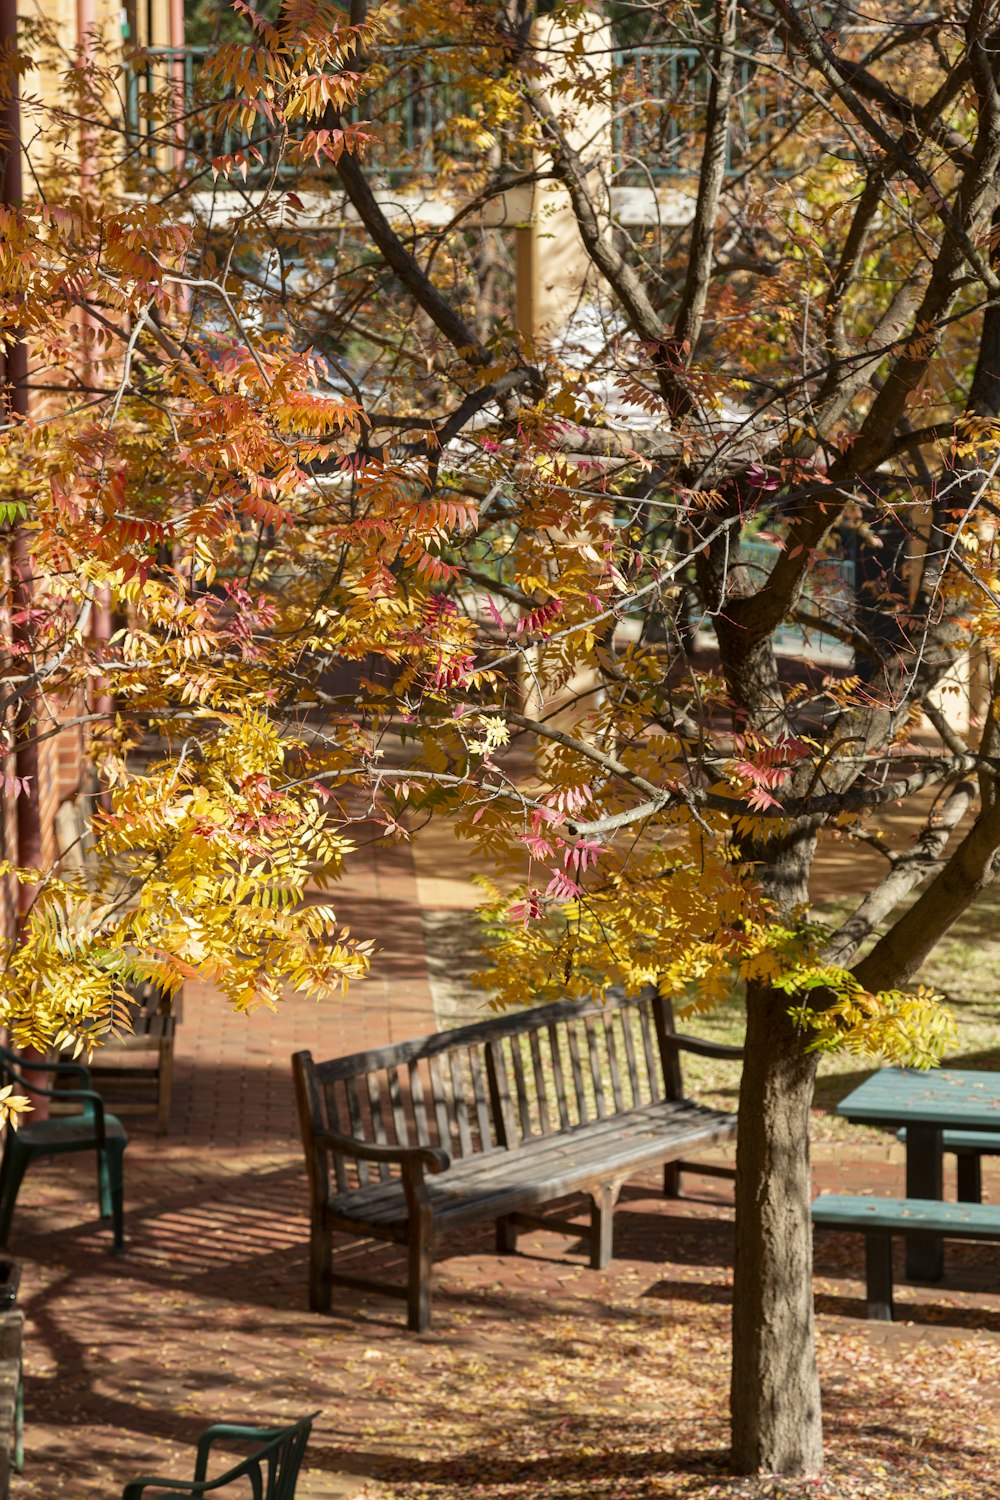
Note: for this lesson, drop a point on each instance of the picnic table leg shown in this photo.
(878, 1275)
(970, 1177)
(924, 1252)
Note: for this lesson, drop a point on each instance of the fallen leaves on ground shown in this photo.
(540, 1381)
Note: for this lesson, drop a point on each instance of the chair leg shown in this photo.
(116, 1191)
(602, 1224)
(419, 1255)
(320, 1266)
(506, 1236)
(103, 1184)
(878, 1275)
(15, 1164)
(970, 1176)
(4, 1176)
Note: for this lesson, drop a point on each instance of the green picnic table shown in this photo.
(939, 1110)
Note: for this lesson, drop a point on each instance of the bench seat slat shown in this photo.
(557, 1076)
(460, 1103)
(479, 1094)
(653, 1064)
(541, 1090)
(583, 1113)
(417, 1107)
(521, 1089)
(542, 1169)
(439, 1099)
(901, 1215)
(984, 1142)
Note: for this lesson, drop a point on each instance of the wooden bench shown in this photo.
(878, 1219)
(503, 1117)
(134, 1071)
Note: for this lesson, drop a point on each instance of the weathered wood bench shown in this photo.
(135, 1070)
(878, 1219)
(505, 1116)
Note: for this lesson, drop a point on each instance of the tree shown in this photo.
(344, 507)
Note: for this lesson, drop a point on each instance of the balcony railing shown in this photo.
(660, 99)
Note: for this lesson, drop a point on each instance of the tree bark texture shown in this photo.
(774, 1396)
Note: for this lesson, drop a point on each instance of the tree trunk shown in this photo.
(775, 1399)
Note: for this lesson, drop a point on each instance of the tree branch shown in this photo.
(711, 178)
(972, 868)
(908, 871)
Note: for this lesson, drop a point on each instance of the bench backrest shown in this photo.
(489, 1086)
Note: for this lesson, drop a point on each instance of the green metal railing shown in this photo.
(661, 100)
(659, 104)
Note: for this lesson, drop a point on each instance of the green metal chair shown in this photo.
(272, 1470)
(93, 1129)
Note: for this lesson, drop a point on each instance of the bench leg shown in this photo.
(970, 1176)
(506, 1233)
(671, 1180)
(164, 1087)
(320, 1267)
(878, 1275)
(418, 1294)
(602, 1224)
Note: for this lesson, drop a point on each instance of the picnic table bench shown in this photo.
(946, 1109)
(878, 1219)
(968, 1147)
(492, 1122)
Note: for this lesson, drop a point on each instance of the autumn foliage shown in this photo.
(337, 539)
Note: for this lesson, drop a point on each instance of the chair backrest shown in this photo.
(12, 1068)
(272, 1470)
(10, 1063)
(487, 1087)
(147, 1002)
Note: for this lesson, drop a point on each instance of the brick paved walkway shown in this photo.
(205, 1316)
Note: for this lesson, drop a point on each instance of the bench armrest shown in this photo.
(431, 1157)
(702, 1048)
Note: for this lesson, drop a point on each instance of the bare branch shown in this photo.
(908, 871)
(687, 324)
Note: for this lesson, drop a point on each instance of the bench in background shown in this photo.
(135, 1071)
(493, 1122)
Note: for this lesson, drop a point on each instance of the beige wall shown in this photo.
(54, 145)
(553, 266)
